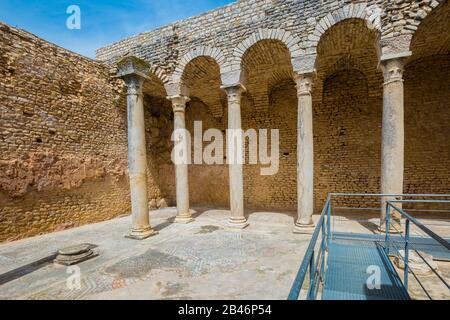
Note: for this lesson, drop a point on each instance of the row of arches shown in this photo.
(231, 65)
(347, 108)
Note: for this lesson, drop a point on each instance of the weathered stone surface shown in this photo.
(162, 204)
(73, 259)
(299, 24)
(75, 250)
(63, 140)
(75, 254)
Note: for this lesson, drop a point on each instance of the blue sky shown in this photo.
(102, 21)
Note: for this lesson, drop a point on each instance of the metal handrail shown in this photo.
(388, 195)
(409, 219)
(308, 262)
(421, 226)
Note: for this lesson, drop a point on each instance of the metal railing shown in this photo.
(315, 266)
(314, 262)
(390, 205)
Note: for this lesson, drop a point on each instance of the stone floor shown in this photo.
(201, 260)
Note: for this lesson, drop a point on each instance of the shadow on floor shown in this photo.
(164, 225)
(31, 267)
(169, 221)
(26, 269)
(288, 213)
(198, 211)
(371, 226)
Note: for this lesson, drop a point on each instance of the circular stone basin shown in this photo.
(74, 250)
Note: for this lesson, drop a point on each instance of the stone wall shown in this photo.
(227, 31)
(63, 139)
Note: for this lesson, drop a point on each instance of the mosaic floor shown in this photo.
(201, 260)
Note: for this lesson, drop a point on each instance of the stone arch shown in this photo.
(291, 42)
(347, 100)
(264, 64)
(423, 10)
(159, 73)
(432, 21)
(200, 51)
(335, 52)
(201, 80)
(371, 14)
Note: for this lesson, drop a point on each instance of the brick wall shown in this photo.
(277, 191)
(347, 137)
(427, 126)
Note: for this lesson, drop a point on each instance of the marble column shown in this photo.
(305, 155)
(393, 136)
(181, 165)
(235, 156)
(137, 159)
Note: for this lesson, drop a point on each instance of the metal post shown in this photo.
(388, 227)
(406, 255)
(312, 272)
(329, 224)
(322, 255)
(324, 245)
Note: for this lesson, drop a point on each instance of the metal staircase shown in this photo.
(359, 266)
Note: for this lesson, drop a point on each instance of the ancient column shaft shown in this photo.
(393, 136)
(305, 155)
(137, 159)
(181, 164)
(235, 157)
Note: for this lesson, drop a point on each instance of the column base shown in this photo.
(382, 230)
(184, 219)
(234, 223)
(301, 228)
(141, 234)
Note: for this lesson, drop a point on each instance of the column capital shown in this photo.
(234, 88)
(134, 84)
(393, 70)
(304, 83)
(234, 92)
(132, 66)
(179, 102)
(133, 71)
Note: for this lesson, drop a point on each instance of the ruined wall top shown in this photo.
(227, 32)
